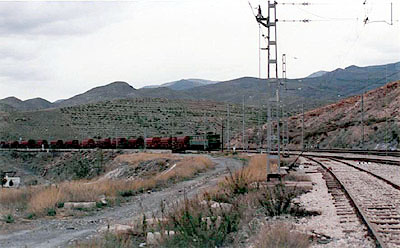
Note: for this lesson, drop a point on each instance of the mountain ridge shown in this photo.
(314, 91)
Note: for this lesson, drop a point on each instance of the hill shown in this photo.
(28, 105)
(183, 84)
(115, 90)
(338, 125)
(317, 74)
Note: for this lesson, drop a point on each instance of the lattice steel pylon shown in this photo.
(270, 23)
(272, 74)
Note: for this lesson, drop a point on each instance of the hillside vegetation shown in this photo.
(126, 117)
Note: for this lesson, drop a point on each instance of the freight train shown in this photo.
(207, 142)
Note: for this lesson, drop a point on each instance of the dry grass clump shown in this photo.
(110, 240)
(136, 158)
(239, 181)
(257, 167)
(186, 168)
(281, 235)
(39, 199)
(15, 198)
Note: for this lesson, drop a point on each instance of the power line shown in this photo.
(367, 21)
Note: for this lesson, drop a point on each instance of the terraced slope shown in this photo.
(126, 117)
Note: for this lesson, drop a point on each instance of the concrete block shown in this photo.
(72, 205)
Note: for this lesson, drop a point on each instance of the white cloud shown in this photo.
(59, 49)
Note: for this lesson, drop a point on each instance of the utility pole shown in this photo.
(145, 137)
(302, 128)
(222, 134)
(205, 130)
(259, 128)
(243, 133)
(283, 130)
(278, 131)
(285, 142)
(269, 138)
(362, 120)
(228, 128)
(386, 117)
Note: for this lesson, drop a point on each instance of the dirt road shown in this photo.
(59, 233)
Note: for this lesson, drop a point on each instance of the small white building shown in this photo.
(11, 182)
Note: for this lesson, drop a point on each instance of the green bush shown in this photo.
(8, 218)
(31, 216)
(51, 212)
(127, 193)
(198, 225)
(278, 200)
(238, 182)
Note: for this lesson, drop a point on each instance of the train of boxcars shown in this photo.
(208, 141)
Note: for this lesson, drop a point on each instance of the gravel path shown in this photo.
(58, 233)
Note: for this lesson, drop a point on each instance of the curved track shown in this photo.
(376, 198)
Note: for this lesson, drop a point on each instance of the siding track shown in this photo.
(376, 199)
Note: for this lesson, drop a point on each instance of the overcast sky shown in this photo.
(56, 50)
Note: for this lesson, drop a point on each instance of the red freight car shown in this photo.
(182, 143)
(153, 143)
(88, 143)
(42, 144)
(166, 143)
(27, 144)
(72, 144)
(104, 143)
(136, 143)
(121, 143)
(13, 144)
(56, 144)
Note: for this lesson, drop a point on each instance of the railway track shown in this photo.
(375, 198)
(361, 152)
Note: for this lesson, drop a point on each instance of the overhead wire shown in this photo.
(326, 18)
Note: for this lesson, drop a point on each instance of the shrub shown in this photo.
(277, 201)
(51, 212)
(281, 235)
(109, 240)
(31, 216)
(199, 225)
(127, 193)
(237, 182)
(8, 219)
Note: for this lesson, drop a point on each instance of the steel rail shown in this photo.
(374, 160)
(360, 212)
(394, 185)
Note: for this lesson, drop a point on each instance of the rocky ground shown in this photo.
(60, 232)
